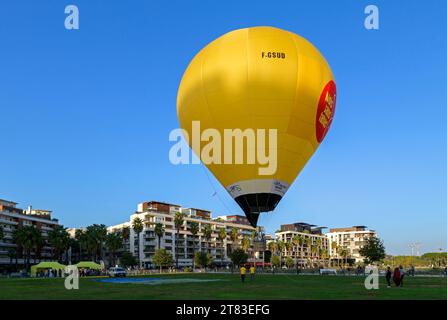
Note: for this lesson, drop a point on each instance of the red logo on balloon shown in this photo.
(326, 110)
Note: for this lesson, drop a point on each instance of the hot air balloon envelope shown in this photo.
(259, 78)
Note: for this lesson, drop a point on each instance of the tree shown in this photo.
(162, 258)
(253, 236)
(314, 250)
(2, 234)
(137, 226)
(296, 240)
(289, 262)
(373, 250)
(276, 261)
(246, 244)
(95, 236)
(128, 260)
(281, 246)
(234, 236)
(272, 246)
(12, 253)
(203, 259)
(114, 242)
(319, 243)
(238, 257)
(125, 233)
(79, 235)
(324, 255)
(159, 230)
(334, 249)
(222, 235)
(59, 239)
(207, 234)
(178, 222)
(308, 243)
(28, 237)
(194, 228)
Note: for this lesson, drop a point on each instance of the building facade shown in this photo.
(309, 246)
(304, 243)
(144, 245)
(13, 218)
(351, 239)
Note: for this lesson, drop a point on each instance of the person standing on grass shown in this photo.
(396, 277)
(243, 272)
(402, 274)
(388, 277)
(252, 273)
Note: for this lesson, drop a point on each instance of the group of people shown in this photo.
(49, 273)
(397, 275)
(243, 272)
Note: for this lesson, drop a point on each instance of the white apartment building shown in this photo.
(352, 239)
(154, 212)
(313, 245)
(12, 218)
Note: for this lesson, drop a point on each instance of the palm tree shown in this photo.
(296, 241)
(11, 255)
(59, 239)
(207, 234)
(340, 252)
(114, 242)
(334, 248)
(194, 228)
(2, 234)
(234, 236)
(222, 235)
(281, 246)
(345, 254)
(137, 226)
(272, 246)
(178, 222)
(246, 244)
(79, 235)
(159, 230)
(125, 233)
(27, 237)
(324, 255)
(314, 250)
(308, 243)
(319, 242)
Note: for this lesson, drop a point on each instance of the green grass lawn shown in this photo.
(230, 287)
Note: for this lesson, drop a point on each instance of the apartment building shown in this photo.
(351, 239)
(154, 212)
(311, 247)
(12, 218)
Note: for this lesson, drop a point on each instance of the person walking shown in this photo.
(243, 273)
(252, 273)
(388, 277)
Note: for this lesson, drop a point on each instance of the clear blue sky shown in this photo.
(85, 115)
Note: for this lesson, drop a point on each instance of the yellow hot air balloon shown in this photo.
(259, 78)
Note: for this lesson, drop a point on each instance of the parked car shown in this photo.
(116, 272)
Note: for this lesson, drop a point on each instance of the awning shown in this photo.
(54, 265)
(89, 265)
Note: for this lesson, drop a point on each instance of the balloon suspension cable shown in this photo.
(215, 191)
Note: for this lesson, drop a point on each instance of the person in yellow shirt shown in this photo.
(252, 273)
(243, 272)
